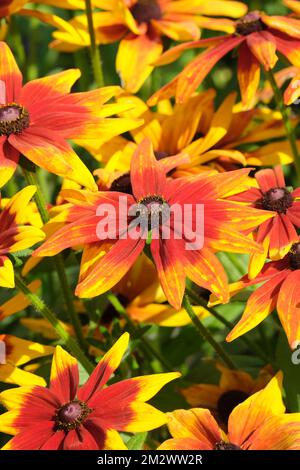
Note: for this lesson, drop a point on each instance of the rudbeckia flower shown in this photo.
(280, 290)
(68, 417)
(278, 234)
(18, 352)
(141, 295)
(105, 262)
(37, 119)
(16, 233)
(211, 138)
(140, 24)
(257, 38)
(259, 423)
(235, 386)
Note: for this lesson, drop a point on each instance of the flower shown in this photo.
(257, 36)
(16, 233)
(278, 234)
(108, 255)
(38, 118)
(139, 25)
(68, 417)
(18, 352)
(141, 295)
(259, 423)
(234, 387)
(209, 139)
(279, 291)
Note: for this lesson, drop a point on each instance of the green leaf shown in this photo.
(290, 373)
(136, 442)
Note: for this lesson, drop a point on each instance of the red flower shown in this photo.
(280, 290)
(68, 417)
(278, 233)
(37, 119)
(151, 189)
(258, 37)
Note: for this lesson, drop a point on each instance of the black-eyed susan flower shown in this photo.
(278, 290)
(234, 387)
(257, 37)
(66, 416)
(140, 25)
(278, 234)
(108, 256)
(16, 233)
(37, 119)
(259, 423)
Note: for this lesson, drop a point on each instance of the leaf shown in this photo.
(291, 371)
(137, 441)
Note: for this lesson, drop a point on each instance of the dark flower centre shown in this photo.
(222, 445)
(122, 184)
(153, 210)
(277, 199)
(13, 119)
(228, 401)
(71, 415)
(159, 155)
(250, 23)
(146, 10)
(294, 257)
(110, 313)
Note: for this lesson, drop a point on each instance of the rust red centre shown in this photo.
(228, 401)
(294, 257)
(71, 415)
(13, 119)
(222, 445)
(277, 199)
(146, 10)
(250, 23)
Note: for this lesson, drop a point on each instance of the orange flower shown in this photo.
(37, 119)
(257, 36)
(259, 423)
(69, 417)
(279, 291)
(139, 24)
(105, 262)
(278, 234)
(234, 387)
(16, 234)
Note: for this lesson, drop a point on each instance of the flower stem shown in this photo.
(95, 52)
(205, 333)
(250, 344)
(41, 307)
(135, 330)
(31, 178)
(290, 132)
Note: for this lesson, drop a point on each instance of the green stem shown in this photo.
(205, 333)
(290, 132)
(31, 178)
(250, 344)
(95, 52)
(135, 330)
(41, 307)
